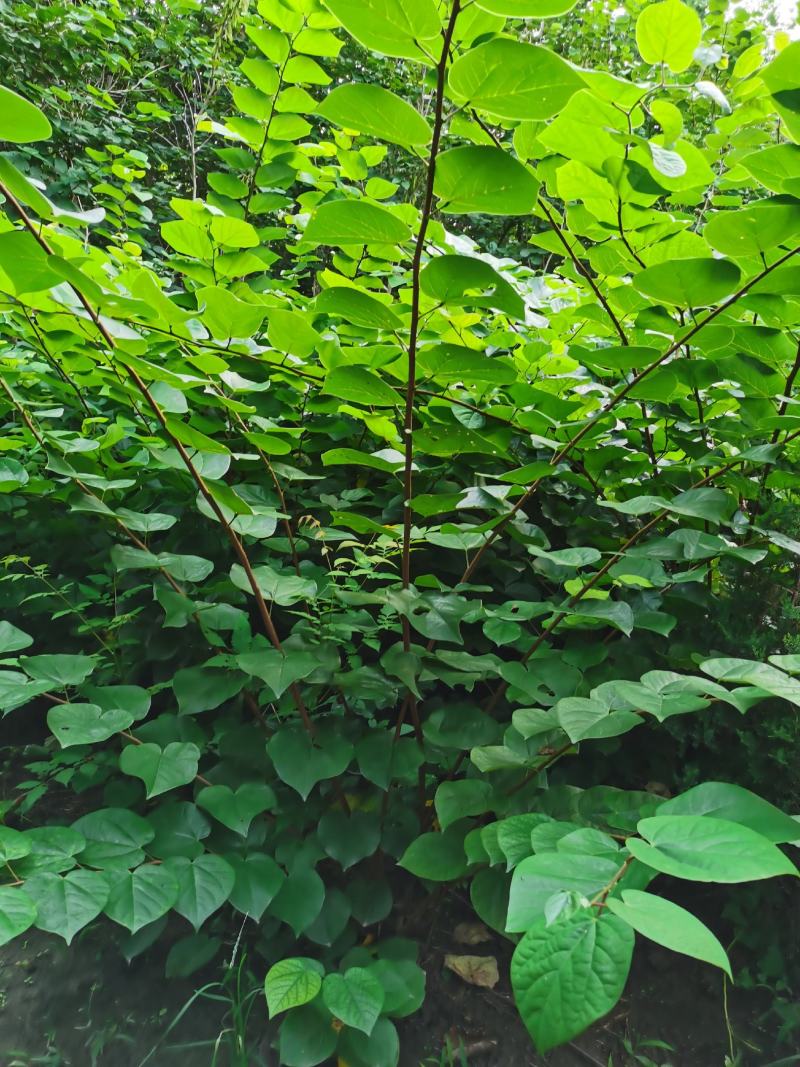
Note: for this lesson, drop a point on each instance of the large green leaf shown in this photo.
(536, 9)
(139, 897)
(21, 121)
(689, 282)
(513, 80)
(755, 229)
(486, 180)
(537, 878)
(86, 724)
(669, 925)
(725, 800)
(291, 983)
(439, 857)
(668, 32)
(13, 639)
(65, 904)
(377, 111)
(299, 900)
(355, 997)
(705, 849)
(258, 880)
(568, 975)
(405, 28)
(357, 307)
(17, 913)
(360, 386)
(237, 809)
(354, 222)
(114, 837)
(472, 282)
(159, 768)
(204, 884)
(301, 763)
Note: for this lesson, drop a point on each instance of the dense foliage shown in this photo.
(421, 454)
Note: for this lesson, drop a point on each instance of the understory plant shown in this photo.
(341, 553)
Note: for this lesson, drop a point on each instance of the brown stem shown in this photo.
(416, 267)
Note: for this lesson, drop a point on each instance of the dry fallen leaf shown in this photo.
(471, 933)
(477, 970)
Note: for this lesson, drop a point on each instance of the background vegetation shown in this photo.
(398, 487)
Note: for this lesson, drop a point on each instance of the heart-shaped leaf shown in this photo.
(86, 724)
(65, 904)
(204, 885)
(302, 763)
(159, 768)
(356, 997)
(17, 913)
(292, 982)
(236, 810)
(140, 897)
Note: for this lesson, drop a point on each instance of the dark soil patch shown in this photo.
(84, 1006)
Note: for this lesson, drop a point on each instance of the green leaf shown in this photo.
(236, 810)
(159, 768)
(279, 670)
(357, 307)
(704, 849)
(354, 222)
(469, 281)
(403, 28)
(454, 800)
(568, 975)
(749, 672)
(381, 1048)
(13, 844)
(436, 857)
(17, 910)
(484, 180)
(204, 884)
(360, 386)
(284, 589)
(59, 670)
(140, 897)
(349, 838)
(689, 282)
(724, 800)
(534, 9)
(299, 900)
(307, 1036)
(670, 926)
(205, 688)
(85, 724)
(454, 363)
(291, 983)
(755, 229)
(290, 331)
(188, 239)
(12, 639)
(538, 877)
(53, 848)
(376, 111)
(355, 997)
(668, 32)
(65, 904)
(582, 718)
(258, 880)
(513, 80)
(113, 837)
(302, 763)
(21, 121)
